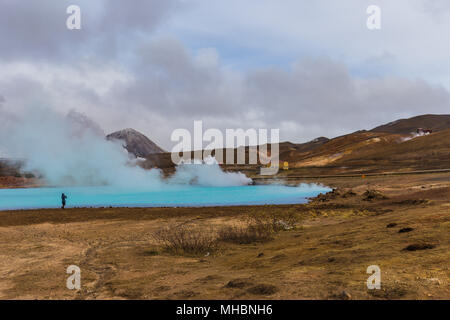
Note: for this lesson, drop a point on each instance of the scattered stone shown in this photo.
(345, 295)
(283, 225)
(349, 194)
(391, 225)
(150, 253)
(263, 289)
(327, 196)
(403, 230)
(419, 246)
(413, 202)
(370, 195)
(238, 283)
(391, 291)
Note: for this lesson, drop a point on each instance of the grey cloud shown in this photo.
(22, 91)
(171, 80)
(314, 97)
(167, 85)
(436, 7)
(170, 86)
(2, 101)
(37, 29)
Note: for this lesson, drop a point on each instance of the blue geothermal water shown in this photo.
(174, 196)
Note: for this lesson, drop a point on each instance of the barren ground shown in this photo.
(328, 251)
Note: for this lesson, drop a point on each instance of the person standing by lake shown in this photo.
(63, 200)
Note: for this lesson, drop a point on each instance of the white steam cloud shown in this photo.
(207, 173)
(413, 135)
(72, 150)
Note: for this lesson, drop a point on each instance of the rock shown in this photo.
(263, 289)
(238, 283)
(283, 225)
(345, 295)
(403, 230)
(419, 246)
(370, 195)
(413, 202)
(349, 194)
(391, 225)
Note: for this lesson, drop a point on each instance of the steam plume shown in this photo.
(72, 150)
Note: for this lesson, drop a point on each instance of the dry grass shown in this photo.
(186, 240)
(259, 227)
(246, 234)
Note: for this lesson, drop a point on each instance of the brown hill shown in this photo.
(433, 122)
(386, 148)
(359, 152)
(287, 150)
(290, 150)
(341, 147)
(425, 152)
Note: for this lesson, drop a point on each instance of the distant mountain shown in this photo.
(434, 122)
(135, 142)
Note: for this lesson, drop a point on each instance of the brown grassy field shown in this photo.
(321, 249)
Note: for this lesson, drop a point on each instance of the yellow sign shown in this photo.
(286, 165)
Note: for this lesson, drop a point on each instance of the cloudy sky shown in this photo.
(309, 68)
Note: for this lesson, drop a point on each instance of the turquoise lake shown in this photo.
(170, 196)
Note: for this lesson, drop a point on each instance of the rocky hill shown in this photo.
(135, 142)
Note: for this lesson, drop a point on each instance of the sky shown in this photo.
(308, 68)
